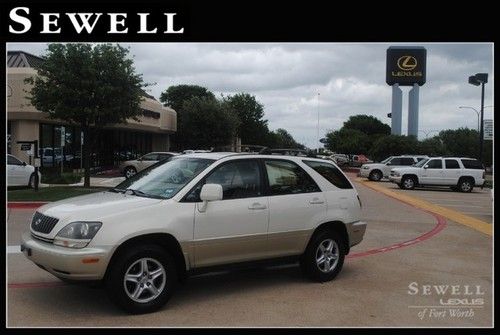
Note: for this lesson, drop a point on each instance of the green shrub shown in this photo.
(62, 178)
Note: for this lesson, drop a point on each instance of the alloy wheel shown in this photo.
(144, 280)
(327, 255)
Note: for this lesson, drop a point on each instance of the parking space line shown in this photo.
(448, 213)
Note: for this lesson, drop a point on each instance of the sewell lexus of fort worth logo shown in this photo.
(407, 63)
(447, 301)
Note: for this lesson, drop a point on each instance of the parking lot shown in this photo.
(387, 280)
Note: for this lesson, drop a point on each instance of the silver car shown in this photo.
(131, 167)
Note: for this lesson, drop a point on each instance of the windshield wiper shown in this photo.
(142, 194)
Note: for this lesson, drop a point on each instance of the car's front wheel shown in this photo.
(142, 279)
(408, 183)
(31, 183)
(375, 175)
(130, 172)
(324, 256)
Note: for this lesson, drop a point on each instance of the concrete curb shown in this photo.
(453, 215)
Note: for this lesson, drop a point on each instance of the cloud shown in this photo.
(287, 77)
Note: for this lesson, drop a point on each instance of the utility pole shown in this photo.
(317, 134)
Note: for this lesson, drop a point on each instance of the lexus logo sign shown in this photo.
(406, 65)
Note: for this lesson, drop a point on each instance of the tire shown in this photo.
(400, 185)
(129, 172)
(454, 188)
(131, 263)
(375, 175)
(31, 182)
(408, 183)
(326, 270)
(465, 185)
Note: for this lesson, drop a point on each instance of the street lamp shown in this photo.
(475, 110)
(476, 80)
(317, 135)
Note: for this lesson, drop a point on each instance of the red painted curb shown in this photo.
(25, 205)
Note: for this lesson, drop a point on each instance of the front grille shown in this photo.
(43, 223)
(43, 239)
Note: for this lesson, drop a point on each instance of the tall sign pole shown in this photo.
(406, 66)
(481, 131)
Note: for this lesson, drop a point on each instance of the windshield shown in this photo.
(386, 160)
(164, 179)
(421, 163)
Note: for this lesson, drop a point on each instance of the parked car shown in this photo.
(131, 167)
(195, 212)
(358, 160)
(377, 171)
(460, 173)
(19, 173)
(341, 159)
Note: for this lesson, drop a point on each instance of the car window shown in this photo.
(419, 159)
(163, 156)
(407, 161)
(239, 179)
(330, 173)
(11, 160)
(435, 164)
(150, 157)
(395, 161)
(472, 164)
(164, 179)
(286, 177)
(451, 164)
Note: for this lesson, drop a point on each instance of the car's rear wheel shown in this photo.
(466, 185)
(375, 175)
(324, 256)
(408, 183)
(130, 172)
(142, 279)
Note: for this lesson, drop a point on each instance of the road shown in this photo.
(405, 249)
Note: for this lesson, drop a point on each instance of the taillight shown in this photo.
(359, 200)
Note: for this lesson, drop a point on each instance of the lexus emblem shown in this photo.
(37, 222)
(407, 63)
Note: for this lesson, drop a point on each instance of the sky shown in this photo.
(295, 81)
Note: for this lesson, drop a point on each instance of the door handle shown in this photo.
(257, 205)
(316, 201)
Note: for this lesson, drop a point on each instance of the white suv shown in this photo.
(461, 174)
(377, 171)
(194, 212)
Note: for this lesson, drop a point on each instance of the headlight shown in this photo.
(77, 234)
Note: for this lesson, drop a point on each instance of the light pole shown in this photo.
(317, 129)
(475, 110)
(476, 80)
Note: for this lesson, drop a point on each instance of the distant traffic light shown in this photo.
(389, 115)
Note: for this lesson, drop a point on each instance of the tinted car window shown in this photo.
(435, 164)
(395, 161)
(286, 177)
(330, 173)
(11, 160)
(451, 164)
(472, 164)
(407, 161)
(239, 179)
(150, 157)
(163, 156)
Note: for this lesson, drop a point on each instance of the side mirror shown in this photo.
(209, 192)
(426, 166)
(24, 164)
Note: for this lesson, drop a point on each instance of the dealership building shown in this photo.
(61, 141)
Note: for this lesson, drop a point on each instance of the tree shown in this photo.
(87, 85)
(433, 147)
(175, 97)
(367, 124)
(464, 142)
(280, 138)
(209, 123)
(391, 145)
(253, 127)
(350, 141)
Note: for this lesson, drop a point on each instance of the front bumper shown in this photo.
(76, 264)
(395, 179)
(356, 231)
(364, 173)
